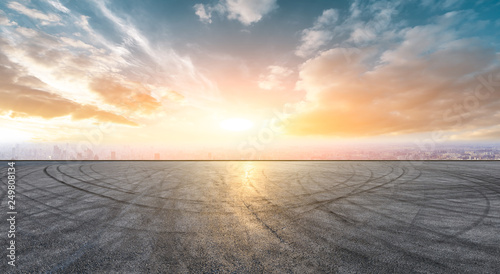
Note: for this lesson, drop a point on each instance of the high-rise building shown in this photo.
(157, 156)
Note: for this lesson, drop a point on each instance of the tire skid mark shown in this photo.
(486, 208)
(263, 223)
(353, 172)
(321, 239)
(424, 203)
(308, 203)
(18, 180)
(353, 193)
(116, 214)
(340, 217)
(104, 180)
(491, 185)
(493, 250)
(127, 170)
(132, 192)
(254, 213)
(95, 180)
(119, 200)
(164, 190)
(318, 204)
(58, 211)
(342, 183)
(22, 193)
(339, 185)
(316, 192)
(93, 193)
(270, 195)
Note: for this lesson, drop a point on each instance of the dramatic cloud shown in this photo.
(433, 80)
(245, 11)
(163, 66)
(24, 96)
(91, 67)
(353, 68)
(54, 76)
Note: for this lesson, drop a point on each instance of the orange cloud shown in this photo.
(492, 133)
(23, 96)
(406, 91)
(25, 102)
(132, 97)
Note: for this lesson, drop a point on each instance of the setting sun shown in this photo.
(236, 124)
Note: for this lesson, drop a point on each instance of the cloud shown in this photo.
(61, 88)
(25, 96)
(317, 36)
(429, 81)
(492, 133)
(76, 60)
(4, 21)
(163, 66)
(329, 17)
(447, 4)
(249, 11)
(128, 96)
(57, 5)
(366, 31)
(312, 40)
(274, 79)
(205, 16)
(90, 57)
(367, 22)
(45, 19)
(245, 11)
(76, 43)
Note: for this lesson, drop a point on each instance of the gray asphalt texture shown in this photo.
(254, 217)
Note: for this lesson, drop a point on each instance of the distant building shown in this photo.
(113, 155)
(56, 152)
(157, 156)
(89, 154)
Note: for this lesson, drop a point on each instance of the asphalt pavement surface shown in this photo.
(254, 217)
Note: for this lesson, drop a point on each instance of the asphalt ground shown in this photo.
(254, 217)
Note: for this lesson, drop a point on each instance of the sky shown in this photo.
(221, 72)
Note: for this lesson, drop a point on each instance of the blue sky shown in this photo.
(174, 70)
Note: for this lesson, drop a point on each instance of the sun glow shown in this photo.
(14, 135)
(236, 124)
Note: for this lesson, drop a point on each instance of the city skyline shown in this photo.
(249, 77)
(404, 152)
